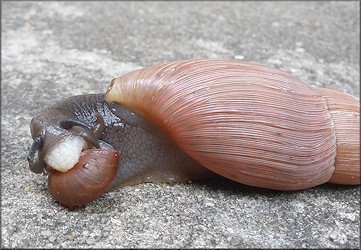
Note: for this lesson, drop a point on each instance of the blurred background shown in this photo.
(53, 50)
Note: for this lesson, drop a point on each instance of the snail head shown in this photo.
(59, 137)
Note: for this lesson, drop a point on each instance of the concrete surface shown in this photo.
(52, 50)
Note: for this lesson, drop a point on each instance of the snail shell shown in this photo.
(345, 115)
(247, 122)
(87, 180)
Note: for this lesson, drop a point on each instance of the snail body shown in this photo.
(192, 119)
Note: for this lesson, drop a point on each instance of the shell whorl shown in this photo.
(345, 113)
(250, 123)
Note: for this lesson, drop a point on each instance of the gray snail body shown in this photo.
(188, 120)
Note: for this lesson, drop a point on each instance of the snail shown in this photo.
(194, 119)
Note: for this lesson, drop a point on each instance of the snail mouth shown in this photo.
(60, 145)
(56, 152)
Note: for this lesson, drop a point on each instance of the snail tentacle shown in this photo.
(35, 146)
(99, 129)
(90, 133)
(36, 166)
(69, 123)
(86, 134)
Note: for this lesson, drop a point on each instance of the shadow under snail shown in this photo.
(192, 119)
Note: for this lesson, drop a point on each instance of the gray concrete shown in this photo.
(52, 50)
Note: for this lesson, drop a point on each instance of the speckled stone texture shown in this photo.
(52, 50)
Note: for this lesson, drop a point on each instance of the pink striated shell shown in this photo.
(345, 114)
(250, 123)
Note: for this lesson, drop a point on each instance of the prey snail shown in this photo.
(191, 119)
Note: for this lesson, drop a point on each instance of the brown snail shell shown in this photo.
(251, 123)
(344, 110)
(87, 180)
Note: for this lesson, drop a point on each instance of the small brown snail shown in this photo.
(191, 119)
(87, 180)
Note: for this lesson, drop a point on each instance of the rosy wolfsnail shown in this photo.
(191, 119)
